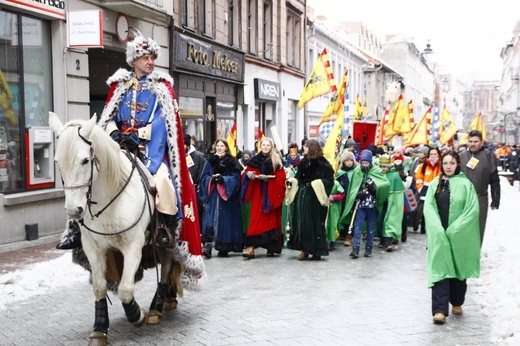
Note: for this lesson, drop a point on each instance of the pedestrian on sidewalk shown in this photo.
(452, 218)
(263, 183)
(314, 179)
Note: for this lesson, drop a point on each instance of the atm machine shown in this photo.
(40, 157)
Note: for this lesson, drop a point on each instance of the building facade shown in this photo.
(233, 62)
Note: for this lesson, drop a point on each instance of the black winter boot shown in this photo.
(74, 239)
(368, 251)
(355, 252)
(206, 251)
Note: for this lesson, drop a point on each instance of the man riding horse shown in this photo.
(142, 114)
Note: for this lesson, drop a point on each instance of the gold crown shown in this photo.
(386, 160)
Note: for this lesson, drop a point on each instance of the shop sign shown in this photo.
(52, 8)
(208, 58)
(85, 28)
(267, 90)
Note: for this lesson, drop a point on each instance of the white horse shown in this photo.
(105, 193)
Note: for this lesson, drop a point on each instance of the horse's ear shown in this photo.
(86, 130)
(55, 123)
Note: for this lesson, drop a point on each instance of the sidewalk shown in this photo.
(19, 254)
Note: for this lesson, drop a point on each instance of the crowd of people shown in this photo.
(268, 200)
(271, 201)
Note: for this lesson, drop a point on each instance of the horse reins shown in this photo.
(90, 202)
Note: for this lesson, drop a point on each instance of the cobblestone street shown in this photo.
(382, 300)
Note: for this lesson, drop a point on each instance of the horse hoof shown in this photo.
(170, 304)
(140, 322)
(97, 339)
(153, 317)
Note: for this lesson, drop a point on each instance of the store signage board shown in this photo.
(54, 8)
(85, 29)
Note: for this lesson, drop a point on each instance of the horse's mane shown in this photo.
(106, 151)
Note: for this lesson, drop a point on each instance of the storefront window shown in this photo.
(226, 118)
(25, 91)
(193, 119)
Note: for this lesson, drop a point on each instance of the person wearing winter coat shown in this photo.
(425, 173)
(452, 218)
(313, 183)
(263, 184)
(370, 189)
(220, 193)
(479, 165)
(514, 164)
(345, 177)
(390, 220)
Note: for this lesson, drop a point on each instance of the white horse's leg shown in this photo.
(132, 258)
(97, 259)
(165, 257)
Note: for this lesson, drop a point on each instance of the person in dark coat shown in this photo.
(220, 193)
(195, 161)
(479, 165)
(314, 181)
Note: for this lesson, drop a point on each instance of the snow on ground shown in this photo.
(496, 289)
(39, 278)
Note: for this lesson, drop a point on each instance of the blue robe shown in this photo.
(222, 219)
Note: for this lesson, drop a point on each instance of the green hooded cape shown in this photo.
(392, 225)
(454, 252)
(334, 213)
(382, 189)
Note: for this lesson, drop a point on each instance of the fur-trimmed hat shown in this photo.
(140, 46)
(347, 155)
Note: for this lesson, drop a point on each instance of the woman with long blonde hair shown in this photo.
(263, 184)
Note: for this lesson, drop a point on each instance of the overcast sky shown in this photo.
(466, 36)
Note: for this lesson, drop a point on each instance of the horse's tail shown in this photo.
(174, 278)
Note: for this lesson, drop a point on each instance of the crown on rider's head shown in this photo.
(140, 46)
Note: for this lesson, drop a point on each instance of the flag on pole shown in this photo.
(358, 110)
(476, 124)
(364, 133)
(320, 82)
(402, 119)
(232, 140)
(411, 114)
(381, 139)
(392, 119)
(435, 125)
(421, 132)
(447, 127)
(259, 137)
(332, 148)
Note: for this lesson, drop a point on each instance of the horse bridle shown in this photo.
(90, 202)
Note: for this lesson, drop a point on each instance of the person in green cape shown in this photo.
(389, 222)
(451, 212)
(371, 188)
(344, 177)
